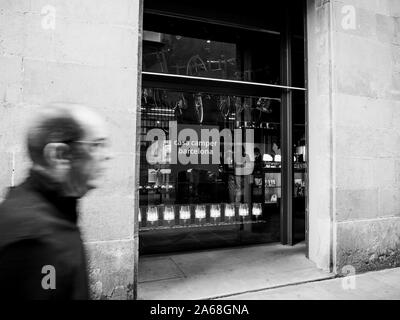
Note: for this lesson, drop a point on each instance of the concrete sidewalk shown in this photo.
(378, 285)
(211, 274)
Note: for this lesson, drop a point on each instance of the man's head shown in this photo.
(67, 143)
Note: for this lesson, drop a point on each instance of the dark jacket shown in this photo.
(38, 228)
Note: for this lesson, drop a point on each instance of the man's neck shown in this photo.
(53, 191)
(49, 180)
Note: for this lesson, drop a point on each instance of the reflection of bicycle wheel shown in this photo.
(198, 103)
(195, 65)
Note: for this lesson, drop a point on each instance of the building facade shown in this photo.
(325, 80)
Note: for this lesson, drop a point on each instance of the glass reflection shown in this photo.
(193, 160)
(229, 211)
(215, 211)
(200, 212)
(152, 214)
(202, 56)
(243, 210)
(169, 213)
(257, 209)
(159, 106)
(184, 213)
(167, 53)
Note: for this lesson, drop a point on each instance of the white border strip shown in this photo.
(222, 80)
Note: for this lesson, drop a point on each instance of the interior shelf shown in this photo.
(219, 224)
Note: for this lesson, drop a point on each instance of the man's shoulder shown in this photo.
(20, 201)
(23, 215)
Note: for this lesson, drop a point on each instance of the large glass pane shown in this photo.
(298, 44)
(300, 166)
(299, 121)
(178, 47)
(255, 14)
(167, 53)
(210, 171)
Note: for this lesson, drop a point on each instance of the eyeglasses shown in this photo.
(95, 146)
(95, 143)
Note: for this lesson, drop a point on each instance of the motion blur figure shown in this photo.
(41, 251)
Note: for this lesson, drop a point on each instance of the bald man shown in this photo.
(41, 251)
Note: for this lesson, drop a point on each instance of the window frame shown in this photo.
(284, 91)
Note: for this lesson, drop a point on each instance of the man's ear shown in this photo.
(57, 154)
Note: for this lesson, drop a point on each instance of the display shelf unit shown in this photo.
(201, 215)
(204, 225)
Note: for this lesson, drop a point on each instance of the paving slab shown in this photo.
(158, 269)
(378, 285)
(220, 273)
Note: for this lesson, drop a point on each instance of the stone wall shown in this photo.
(362, 45)
(83, 51)
(87, 51)
(367, 83)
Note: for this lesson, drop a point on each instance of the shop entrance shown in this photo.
(223, 158)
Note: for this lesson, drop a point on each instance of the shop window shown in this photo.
(211, 135)
(175, 46)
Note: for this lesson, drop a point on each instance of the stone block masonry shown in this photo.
(82, 52)
(354, 49)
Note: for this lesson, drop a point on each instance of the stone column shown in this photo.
(321, 133)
